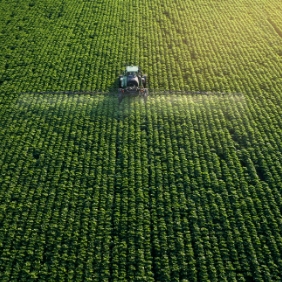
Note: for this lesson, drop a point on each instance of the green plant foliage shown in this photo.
(177, 189)
(183, 188)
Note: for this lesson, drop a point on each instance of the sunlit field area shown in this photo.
(185, 187)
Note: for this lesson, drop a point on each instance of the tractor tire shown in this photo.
(119, 81)
(145, 81)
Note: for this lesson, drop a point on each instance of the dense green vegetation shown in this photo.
(184, 188)
(202, 45)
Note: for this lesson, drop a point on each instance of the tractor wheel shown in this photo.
(119, 81)
(145, 80)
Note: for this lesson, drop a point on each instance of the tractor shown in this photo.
(132, 83)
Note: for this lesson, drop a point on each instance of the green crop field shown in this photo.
(187, 187)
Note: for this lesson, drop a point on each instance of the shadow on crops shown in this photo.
(69, 104)
(95, 104)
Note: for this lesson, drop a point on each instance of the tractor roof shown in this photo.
(132, 69)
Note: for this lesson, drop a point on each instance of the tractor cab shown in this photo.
(131, 74)
(131, 71)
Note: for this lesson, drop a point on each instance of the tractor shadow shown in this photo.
(107, 105)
